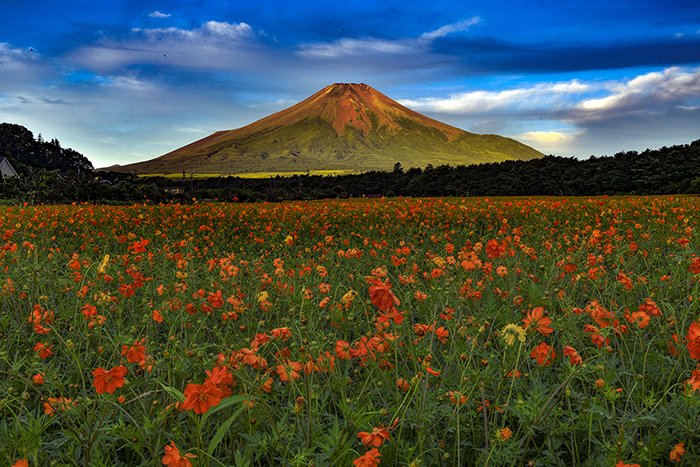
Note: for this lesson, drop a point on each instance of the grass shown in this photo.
(509, 331)
(323, 173)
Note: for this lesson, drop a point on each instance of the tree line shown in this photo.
(50, 173)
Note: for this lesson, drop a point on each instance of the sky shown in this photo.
(124, 80)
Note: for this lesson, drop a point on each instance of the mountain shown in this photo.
(346, 127)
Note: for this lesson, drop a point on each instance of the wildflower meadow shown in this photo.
(421, 332)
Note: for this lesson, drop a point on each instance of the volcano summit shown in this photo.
(345, 127)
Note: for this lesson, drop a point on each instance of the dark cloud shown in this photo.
(488, 55)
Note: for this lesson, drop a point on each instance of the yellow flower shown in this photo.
(103, 265)
(512, 331)
(348, 298)
(263, 296)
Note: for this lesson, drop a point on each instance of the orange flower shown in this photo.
(381, 295)
(574, 357)
(43, 350)
(538, 321)
(139, 247)
(504, 434)
(402, 384)
(693, 340)
(393, 314)
(288, 370)
(136, 353)
(342, 350)
(376, 438)
(54, 404)
(108, 381)
(694, 265)
(201, 397)
(21, 463)
(442, 334)
(157, 317)
(368, 459)
(622, 464)
(222, 378)
(267, 385)
(38, 378)
(544, 354)
(173, 458)
(456, 397)
(694, 380)
(677, 452)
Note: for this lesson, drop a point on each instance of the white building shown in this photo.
(6, 169)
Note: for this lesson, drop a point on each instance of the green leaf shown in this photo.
(229, 401)
(221, 431)
(177, 395)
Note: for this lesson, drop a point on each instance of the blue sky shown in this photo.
(123, 81)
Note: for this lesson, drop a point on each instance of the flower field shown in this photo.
(369, 332)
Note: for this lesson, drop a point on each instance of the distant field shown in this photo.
(324, 173)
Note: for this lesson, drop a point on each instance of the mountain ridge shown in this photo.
(344, 126)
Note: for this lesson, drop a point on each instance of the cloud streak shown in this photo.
(527, 98)
(345, 47)
(159, 15)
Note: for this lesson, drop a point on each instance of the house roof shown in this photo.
(6, 168)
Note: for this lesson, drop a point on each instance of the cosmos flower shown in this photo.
(106, 381)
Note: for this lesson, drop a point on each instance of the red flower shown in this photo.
(442, 334)
(288, 370)
(574, 357)
(108, 381)
(694, 265)
(369, 459)
(136, 353)
(139, 247)
(201, 397)
(376, 438)
(342, 350)
(43, 350)
(381, 295)
(392, 315)
(538, 321)
(173, 458)
(544, 354)
(693, 340)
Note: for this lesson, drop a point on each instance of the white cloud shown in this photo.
(349, 47)
(12, 58)
(346, 47)
(544, 95)
(210, 29)
(651, 92)
(213, 45)
(158, 14)
(450, 28)
(545, 137)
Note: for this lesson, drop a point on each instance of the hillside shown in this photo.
(349, 127)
